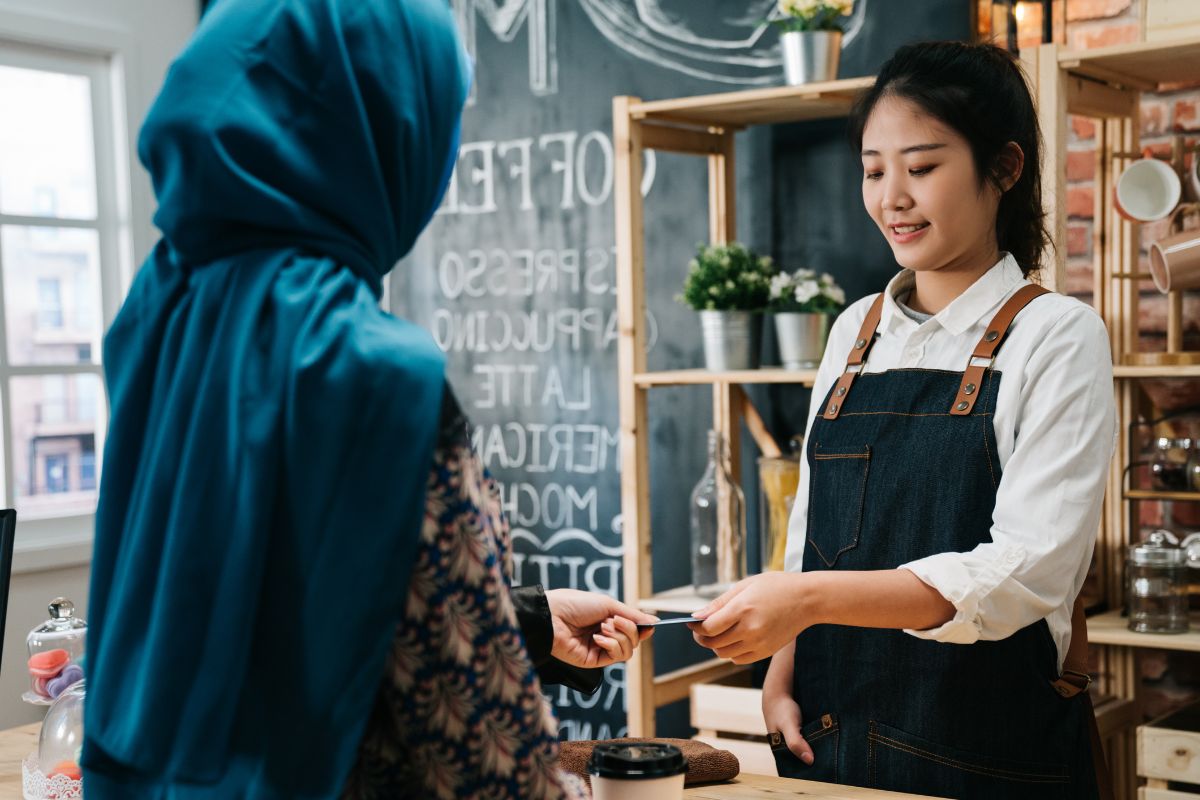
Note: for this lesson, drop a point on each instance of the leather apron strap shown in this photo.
(856, 360)
(1075, 680)
(989, 343)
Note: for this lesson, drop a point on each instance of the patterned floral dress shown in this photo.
(460, 713)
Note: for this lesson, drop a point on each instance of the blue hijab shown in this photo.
(271, 429)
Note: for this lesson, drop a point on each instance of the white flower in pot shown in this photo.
(804, 305)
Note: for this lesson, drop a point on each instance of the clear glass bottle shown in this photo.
(718, 526)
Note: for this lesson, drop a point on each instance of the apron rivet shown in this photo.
(962, 406)
(860, 344)
(991, 336)
(833, 407)
(969, 389)
(841, 391)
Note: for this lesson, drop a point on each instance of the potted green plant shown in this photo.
(812, 38)
(804, 305)
(729, 285)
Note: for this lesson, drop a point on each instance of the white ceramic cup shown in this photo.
(643, 771)
(1148, 190)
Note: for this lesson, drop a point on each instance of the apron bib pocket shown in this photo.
(839, 479)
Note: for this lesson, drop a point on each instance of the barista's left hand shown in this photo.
(754, 619)
(593, 629)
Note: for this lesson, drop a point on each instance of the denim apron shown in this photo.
(903, 467)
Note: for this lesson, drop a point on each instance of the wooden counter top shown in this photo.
(16, 743)
(768, 787)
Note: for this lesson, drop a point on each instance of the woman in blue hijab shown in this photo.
(264, 505)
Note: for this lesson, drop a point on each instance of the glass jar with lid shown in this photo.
(56, 653)
(1157, 585)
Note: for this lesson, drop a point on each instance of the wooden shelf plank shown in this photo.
(1128, 371)
(1113, 629)
(1142, 65)
(671, 687)
(687, 377)
(1147, 494)
(683, 600)
(776, 104)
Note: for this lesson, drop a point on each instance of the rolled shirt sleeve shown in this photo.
(1048, 502)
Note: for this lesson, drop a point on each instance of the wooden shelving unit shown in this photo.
(1106, 85)
(702, 126)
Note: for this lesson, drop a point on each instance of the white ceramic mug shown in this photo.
(1148, 190)
(642, 771)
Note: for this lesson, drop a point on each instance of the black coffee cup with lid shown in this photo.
(637, 771)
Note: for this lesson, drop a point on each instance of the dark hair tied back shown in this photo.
(978, 90)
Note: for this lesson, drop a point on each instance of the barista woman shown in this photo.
(962, 426)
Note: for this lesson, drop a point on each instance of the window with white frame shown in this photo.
(59, 250)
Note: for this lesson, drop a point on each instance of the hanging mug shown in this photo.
(1175, 259)
(1148, 190)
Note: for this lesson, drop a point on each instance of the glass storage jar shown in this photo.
(778, 477)
(1157, 585)
(56, 652)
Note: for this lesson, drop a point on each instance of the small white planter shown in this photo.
(801, 338)
(810, 56)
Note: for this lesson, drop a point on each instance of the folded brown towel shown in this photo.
(706, 764)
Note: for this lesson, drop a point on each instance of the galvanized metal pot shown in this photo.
(801, 338)
(811, 56)
(732, 339)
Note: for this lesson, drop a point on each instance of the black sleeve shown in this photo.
(533, 615)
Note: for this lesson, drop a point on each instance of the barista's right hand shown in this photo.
(781, 712)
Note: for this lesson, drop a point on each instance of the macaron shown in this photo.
(56, 686)
(68, 769)
(48, 664)
(39, 687)
(73, 673)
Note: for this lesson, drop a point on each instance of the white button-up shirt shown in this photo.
(1055, 424)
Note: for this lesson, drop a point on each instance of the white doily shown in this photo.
(37, 786)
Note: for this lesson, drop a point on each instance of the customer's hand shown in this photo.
(781, 712)
(592, 629)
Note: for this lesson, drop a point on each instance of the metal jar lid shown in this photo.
(1157, 550)
(641, 761)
